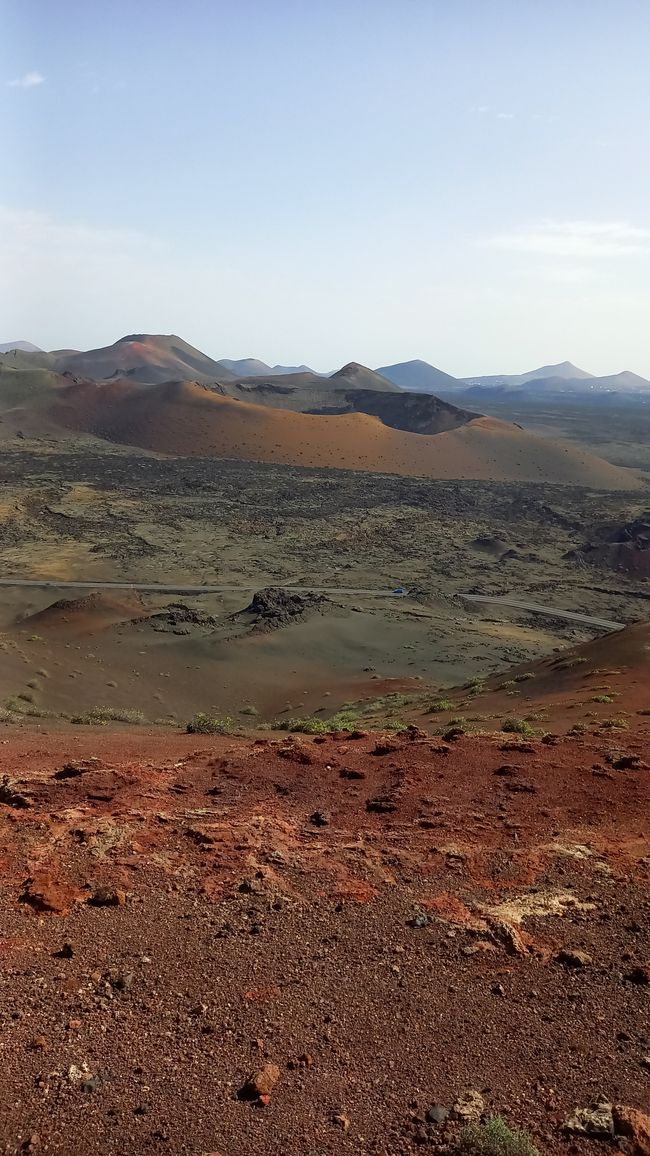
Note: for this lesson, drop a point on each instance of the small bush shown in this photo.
(206, 724)
(517, 726)
(579, 729)
(101, 715)
(614, 724)
(495, 1138)
(441, 705)
(602, 698)
(249, 710)
(506, 684)
(525, 676)
(343, 720)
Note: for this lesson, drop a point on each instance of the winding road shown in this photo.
(161, 588)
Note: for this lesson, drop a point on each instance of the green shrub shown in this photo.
(614, 724)
(249, 710)
(602, 698)
(101, 715)
(525, 676)
(205, 724)
(517, 726)
(495, 1138)
(441, 705)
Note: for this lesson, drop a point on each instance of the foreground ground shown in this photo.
(379, 916)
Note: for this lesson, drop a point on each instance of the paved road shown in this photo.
(158, 588)
(536, 608)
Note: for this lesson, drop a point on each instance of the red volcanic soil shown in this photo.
(89, 614)
(372, 922)
(183, 418)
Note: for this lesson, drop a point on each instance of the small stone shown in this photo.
(260, 1083)
(319, 819)
(419, 920)
(65, 952)
(108, 897)
(381, 805)
(38, 1044)
(574, 959)
(469, 1107)
(342, 1121)
(437, 1114)
(640, 975)
(594, 1121)
(498, 989)
(124, 981)
(635, 1126)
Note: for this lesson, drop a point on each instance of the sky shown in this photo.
(319, 181)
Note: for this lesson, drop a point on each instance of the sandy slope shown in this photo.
(183, 418)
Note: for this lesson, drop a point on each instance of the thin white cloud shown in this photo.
(28, 80)
(505, 116)
(25, 233)
(574, 239)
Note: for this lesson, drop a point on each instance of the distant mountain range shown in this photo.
(158, 392)
(251, 367)
(563, 378)
(151, 359)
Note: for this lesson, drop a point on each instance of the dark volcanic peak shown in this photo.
(563, 369)
(360, 377)
(418, 375)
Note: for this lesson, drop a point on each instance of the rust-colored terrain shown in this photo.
(391, 921)
(185, 419)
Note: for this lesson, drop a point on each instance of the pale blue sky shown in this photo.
(465, 181)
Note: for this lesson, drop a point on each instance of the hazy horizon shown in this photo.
(465, 184)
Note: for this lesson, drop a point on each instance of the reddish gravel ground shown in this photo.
(379, 917)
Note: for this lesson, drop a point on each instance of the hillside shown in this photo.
(418, 375)
(22, 388)
(146, 358)
(182, 418)
(356, 376)
(23, 346)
